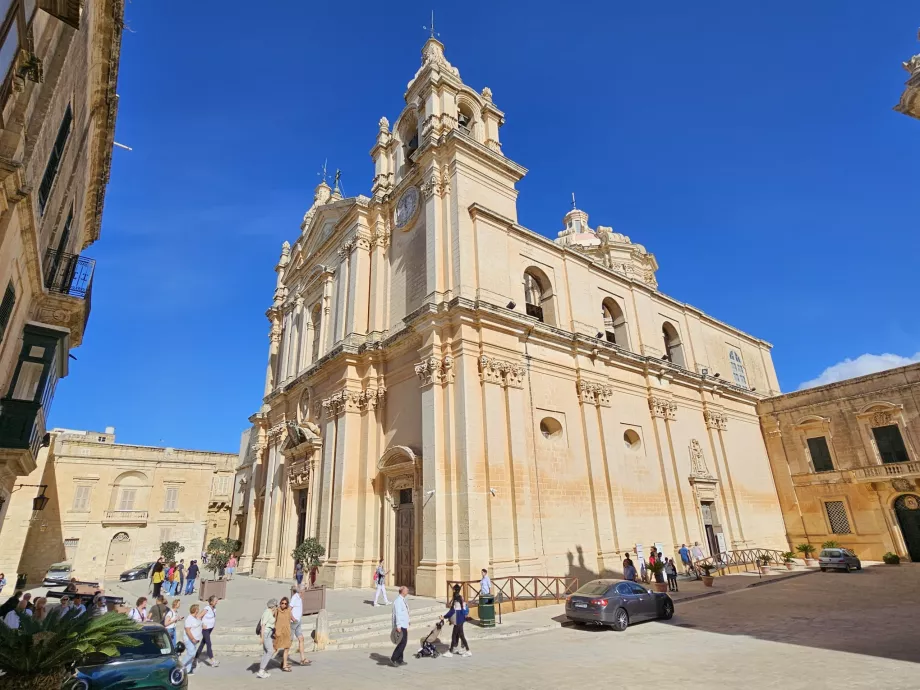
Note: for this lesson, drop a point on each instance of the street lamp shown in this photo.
(40, 501)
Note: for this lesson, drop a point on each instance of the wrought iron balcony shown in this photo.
(125, 517)
(69, 274)
(893, 470)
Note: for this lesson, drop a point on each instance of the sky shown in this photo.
(753, 150)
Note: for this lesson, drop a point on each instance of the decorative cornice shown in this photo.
(662, 407)
(501, 372)
(434, 370)
(594, 393)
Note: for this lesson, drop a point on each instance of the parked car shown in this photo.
(616, 603)
(154, 664)
(58, 574)
(138, 572)
(838, 559)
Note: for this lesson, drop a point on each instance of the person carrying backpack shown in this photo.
(458, 611)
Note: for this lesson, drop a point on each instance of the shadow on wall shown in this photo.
(585, 574)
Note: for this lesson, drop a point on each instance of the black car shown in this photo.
(138, 572)
(616, 603)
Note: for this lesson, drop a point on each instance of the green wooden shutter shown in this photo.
(6, 309)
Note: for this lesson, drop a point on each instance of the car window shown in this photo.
(637, 589)
(595, 588)
(830, 553)
(623, 588)
(153, 644)
(142, 566)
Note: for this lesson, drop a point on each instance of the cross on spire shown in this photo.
(431, 28)
(322, 173)
(573, 201)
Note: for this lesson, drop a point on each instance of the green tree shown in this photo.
(219, 551)
(308, 552)
(37, 655)
(170, 549)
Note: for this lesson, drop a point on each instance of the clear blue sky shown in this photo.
(754, 151)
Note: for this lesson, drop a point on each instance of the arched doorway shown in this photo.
(117, 560)
(907, 509)
(400, 468)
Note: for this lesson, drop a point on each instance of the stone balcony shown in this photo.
(124, 517)
(894, 470)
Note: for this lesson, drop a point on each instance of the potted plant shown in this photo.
(707, 577)
(806, 550)
(170, 549)
(787, 559)
(891, 558)
(219, 551)
(655, 568)
(764, 562)
(831, 544)
(41, 654)
(309, 552)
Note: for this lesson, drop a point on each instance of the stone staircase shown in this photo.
(344, 633)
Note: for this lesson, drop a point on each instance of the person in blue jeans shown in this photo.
(458, 611)
(190, 577)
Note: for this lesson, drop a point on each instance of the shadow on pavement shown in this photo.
(380, 659)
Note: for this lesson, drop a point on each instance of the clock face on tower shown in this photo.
(406, 207)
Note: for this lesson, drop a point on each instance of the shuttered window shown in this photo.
(54, 160)
(172, 500)
(126, 500)
(81, 498)
(820, 454)
(890, 444)
(6, 308)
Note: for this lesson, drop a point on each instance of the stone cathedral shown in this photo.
(449, 390)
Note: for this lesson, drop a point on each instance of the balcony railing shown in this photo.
(125, 517)
(892, 470)
(68, 274)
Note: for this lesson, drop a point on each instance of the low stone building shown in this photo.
(845, 463)
(111, 505)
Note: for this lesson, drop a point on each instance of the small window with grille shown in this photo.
(837, 517)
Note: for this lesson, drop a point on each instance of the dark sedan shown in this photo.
(138, 572)
(616, 603)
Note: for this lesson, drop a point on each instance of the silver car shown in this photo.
(838, 559)
(616, 603)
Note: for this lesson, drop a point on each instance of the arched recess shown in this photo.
(117, 557)
(469, 119)
(130, 492)
(615, 330)
(673, 347)
(539, 299)
(399, 485)
(907, 511)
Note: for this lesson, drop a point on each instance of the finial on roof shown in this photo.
(431, 28)
(322, 173)
(573, 201)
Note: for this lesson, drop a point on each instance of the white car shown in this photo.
(58, 574)
(838, 559)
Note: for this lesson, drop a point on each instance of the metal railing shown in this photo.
(517, 588)
(749, 559)
(68, 274)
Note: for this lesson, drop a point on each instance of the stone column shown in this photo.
(359, 279)
(661, 409)
(324, 330)
(297, 340)
(249, 538)
(716, 423)
(341, 293)
(343, 494)
(679, 486)
(274, 339)
(519, 416)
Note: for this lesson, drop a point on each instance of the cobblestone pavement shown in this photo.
(857, 628)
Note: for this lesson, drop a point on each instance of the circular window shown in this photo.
(550, 428)
(631, 440)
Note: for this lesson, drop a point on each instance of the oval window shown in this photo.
(631, 440)
(550, 428)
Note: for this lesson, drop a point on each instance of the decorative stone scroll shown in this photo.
(594, 393)
(715, 420)
(299, 473)
(882, 418)
(662, 407)
(501, 372)
(434, 370)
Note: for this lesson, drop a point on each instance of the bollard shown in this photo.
(321, 633)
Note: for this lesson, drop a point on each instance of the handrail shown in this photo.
(516, 588)
(739, 558)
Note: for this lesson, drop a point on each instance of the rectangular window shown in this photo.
(837, 517)
(81, 498)
(6, 308)
(891, 446)
(738, 373)
(165, 534)
(126, 500)
(54, 160)
(70, 548)
(820, 454)
(172, 500)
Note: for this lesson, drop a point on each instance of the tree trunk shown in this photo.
(38, 681)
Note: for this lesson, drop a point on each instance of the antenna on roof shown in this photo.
(322, 173)
(573, 201)
(431, 28)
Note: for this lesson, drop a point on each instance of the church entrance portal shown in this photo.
(907, 508)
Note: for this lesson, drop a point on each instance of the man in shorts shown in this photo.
(296, 615)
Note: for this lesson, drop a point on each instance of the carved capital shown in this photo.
(372, 398)
(594, 393)
(662, 407)
(340, 403)
(434, 370)
(501, 372)
(715, 420)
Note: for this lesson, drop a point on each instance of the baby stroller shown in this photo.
(428, 642)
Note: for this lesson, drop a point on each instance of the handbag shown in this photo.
(395, 635)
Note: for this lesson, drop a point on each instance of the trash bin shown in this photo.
(487, 610)
(21, 581)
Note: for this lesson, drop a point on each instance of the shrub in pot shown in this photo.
(764, 562)
(706, 576)
(219, 551)
(787, 559)
(806, 550)
(891, 558)
(309, 552)
(655, 568)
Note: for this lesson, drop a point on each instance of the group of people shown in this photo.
(668, 569)
(279, 627)
(172, 578)
(22, 604)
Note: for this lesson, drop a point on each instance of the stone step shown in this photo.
(346, 625)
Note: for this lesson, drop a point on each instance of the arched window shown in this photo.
(538, 296)
(465, 118)
(737, 368)
(316, 319)
(614, 323)
(129, 492)
(674, 351)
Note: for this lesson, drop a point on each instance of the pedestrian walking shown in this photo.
(298, 573)
(171, 619)
(401, 626)
(157, 578)
(457, 614)
(208, 621)
(629, 569)
(181, 567)
(231, 567)
(684, 553)
(193, 638)
(157, 612)
(192, 576)
(643, 572)
(296, 626)
(485, 584)
(697, 552)
(282, 639)
(153, 570)
(2, 582)
(266, 631)
(380, 577)
(139, 612)
(671, 571)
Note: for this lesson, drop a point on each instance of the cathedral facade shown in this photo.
(449, 390)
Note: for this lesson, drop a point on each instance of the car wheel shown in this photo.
(667, 612)
(620, 620)
(848, 568)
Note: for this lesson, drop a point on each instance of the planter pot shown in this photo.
(788, 566)
(661, 586)
(764, 570)
(314, 600)
(810, 562)
(212, 588)
(707, 580)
